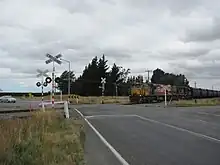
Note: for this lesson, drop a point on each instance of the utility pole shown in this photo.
(165, 98)
(116, 89)
(195, 87)
(212, 87)
(69, 62)
(69, 83)
(55, 86)
(148, 74)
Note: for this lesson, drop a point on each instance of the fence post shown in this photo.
(43, 107)
(66, 110)
(165, 98)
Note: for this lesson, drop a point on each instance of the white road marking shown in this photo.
(117, 155)
(180, 129)
(212, 124)
(98, 116)
(99, 112)
(203, 121)
(204, 113)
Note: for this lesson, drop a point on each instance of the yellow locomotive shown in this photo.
(149, 92)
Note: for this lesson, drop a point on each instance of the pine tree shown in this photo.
(113, 78)
(88, 83)
(117, 77)
(103, 67)
(63, 84)
(90, 78)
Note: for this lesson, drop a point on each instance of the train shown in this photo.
(150, 92)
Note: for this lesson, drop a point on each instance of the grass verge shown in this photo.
(199, 102)
(46, 139)
(98, 100)
(90, 99)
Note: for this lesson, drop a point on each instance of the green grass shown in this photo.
(98, 100)
(89, 99)
(200, 102)
(45, 139)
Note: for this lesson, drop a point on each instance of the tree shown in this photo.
(116, 77)
(139, 79)
(90, 78)
(63, 84)
(103, 67)
(124, 74)
(89, 82)
(157, 75)
(131, 80)
(160, 77)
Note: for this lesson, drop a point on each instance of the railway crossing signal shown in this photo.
(57, 79)
(103, 82)
(53, 59)
(43, 84)
(38, 84)
(48, 80)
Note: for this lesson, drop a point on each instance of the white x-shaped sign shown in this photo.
(103, 80)
(53, 58)
(42, 73)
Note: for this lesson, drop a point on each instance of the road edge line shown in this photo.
(180, 129)
(99, 116)
(117, 155)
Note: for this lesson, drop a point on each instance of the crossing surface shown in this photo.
(155, 135)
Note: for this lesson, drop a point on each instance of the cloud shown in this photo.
(175, 35)
(209, 32)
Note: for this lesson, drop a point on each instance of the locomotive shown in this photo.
(150, 92)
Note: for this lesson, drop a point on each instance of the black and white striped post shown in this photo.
(53, 59)
(43, 84)
(103, 82)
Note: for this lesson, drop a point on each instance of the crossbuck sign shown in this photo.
(42, 73)
(103, 80)
(52, 58)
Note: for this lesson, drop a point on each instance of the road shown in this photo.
(22, 104)
(21, 108)
(153, 135)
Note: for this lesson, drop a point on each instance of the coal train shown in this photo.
(150, 92)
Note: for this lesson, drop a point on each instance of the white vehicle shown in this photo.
(7, 99)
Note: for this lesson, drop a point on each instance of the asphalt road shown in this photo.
(21, 108)
(154, 135)
(22, 104)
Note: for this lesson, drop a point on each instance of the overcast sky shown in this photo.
(179, 36)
